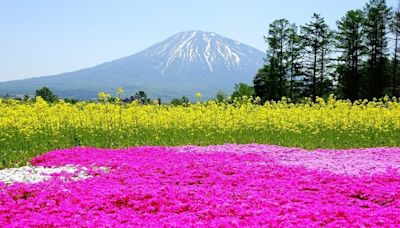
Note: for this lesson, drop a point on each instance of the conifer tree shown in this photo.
(317, 42)
(294, 51)
(277, 78)
(395, 29)
(376, 26)
(350, 43)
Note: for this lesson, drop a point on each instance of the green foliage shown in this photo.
(26, 98)
(46, 94)
(141, 96)
(185, 100)
(378, 15)
(350, 41)
(176, 102)
(317, 42)
(221, 96)
(278, 77)
(294, 62)
(266, 82)
(278, 40)
(395, 29)
(241, 90)
(71, 100)
(182, 101)
(351, 61)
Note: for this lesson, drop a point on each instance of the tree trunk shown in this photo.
(314, 79)
(395, 65)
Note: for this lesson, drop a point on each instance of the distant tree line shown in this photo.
(49, 96)
(358, 59)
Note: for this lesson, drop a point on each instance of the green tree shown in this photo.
(395, 29)
(294, 49)
(350, 43)
(26, 97)
(184, 101)
(71, 100)
(220, 96)
(266, 81)
(376, 26)
(141, 96)
(241, 90)
(278, 42)
(46, 94)
(278, 77)
(317, 40)
(176, 102)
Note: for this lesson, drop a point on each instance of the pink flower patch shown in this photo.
(230, 185)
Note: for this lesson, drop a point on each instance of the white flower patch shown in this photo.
(35, 174)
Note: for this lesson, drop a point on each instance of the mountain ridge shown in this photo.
(181, 65)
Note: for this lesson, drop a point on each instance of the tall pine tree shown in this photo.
(277, 41)
(271, 82)
(350, 43)
(317, 42)
(294, 61)
(395, 29)
(377, 20)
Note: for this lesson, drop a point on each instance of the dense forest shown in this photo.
(358, 59)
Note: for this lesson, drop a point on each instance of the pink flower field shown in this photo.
(224, 186)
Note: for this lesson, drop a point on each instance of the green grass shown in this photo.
(17, 150)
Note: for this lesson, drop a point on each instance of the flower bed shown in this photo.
(230, 185)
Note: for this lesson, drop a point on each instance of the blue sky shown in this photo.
(45, 37)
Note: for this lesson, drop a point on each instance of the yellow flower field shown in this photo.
(31, 128)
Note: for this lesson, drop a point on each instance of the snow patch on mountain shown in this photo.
(208, 48)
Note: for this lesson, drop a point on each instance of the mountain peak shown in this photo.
(207, 48)
(198, 32)
(183, 64)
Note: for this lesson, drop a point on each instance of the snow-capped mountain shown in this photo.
(183, 64)
(198, 47)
